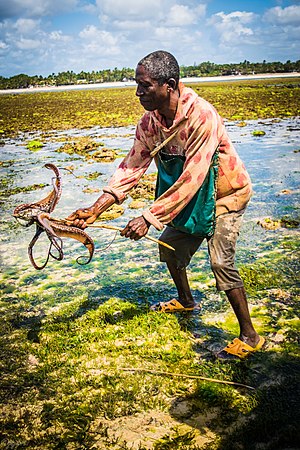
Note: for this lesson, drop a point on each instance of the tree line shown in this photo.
(203, 69)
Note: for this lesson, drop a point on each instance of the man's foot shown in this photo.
(239, 349)
(252, 340)
(173, 306)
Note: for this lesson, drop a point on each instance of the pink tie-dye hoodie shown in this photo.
(200, 131)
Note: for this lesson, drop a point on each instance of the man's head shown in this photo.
(157, 77)
(161, 66)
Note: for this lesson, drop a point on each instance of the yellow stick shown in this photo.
(196, 377)
(158, 147)
(111, 227)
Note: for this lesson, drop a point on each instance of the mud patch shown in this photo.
(150, 428)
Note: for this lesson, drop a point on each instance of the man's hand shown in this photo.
(82, 218)
(136, 228)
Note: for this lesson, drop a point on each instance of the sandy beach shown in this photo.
(122, 84)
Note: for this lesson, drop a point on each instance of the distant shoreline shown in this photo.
(124, 84)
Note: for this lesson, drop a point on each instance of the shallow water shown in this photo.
(128, 268)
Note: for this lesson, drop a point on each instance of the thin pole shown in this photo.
(112, 227)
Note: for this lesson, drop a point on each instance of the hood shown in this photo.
(186, 99)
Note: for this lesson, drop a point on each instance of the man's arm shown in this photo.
(133, 166)
(84, 217)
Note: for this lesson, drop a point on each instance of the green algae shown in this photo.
(113, 212)
(93, 175)
(241, 100)
(259, 277)
(7, 191)
(34, 145)
(81, 146)
(103, 155)
(76, 337)
(258, 133)
(288, 222)
(87, 147)
(145, 189)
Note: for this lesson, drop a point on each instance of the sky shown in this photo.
(41, 37)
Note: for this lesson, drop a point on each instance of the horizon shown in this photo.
(40, 37)
(132, 68)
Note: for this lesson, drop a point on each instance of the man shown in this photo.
(197, 134)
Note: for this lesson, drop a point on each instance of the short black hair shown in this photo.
(161, 66)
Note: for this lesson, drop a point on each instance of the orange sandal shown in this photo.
(240, 349)
(171, 306)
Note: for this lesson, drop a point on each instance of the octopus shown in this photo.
(38, 213)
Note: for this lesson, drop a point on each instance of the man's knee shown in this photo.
(172, 259)
(185, 246)
(226, 274)
(218, 265)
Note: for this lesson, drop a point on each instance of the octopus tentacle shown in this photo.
(39, 213)
(44, 221)
(64, 230)
(48, 203)
(29, 211)
(56, 230)
(39, 231)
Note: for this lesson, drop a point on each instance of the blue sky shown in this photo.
(39, 37)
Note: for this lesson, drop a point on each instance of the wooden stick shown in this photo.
(111, 227)
(158, 147)
(182, 375)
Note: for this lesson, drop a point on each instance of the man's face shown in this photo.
(151, 95)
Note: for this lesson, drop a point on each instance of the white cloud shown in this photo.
(58, 36)
(117, 33)
(232, 18)
(166, 34)
(93, 33)
(3, 45)
(282, 32)
(99, 42)
(132, 25)
(147, 27)
(89, 8)
(27, 44)
(232, 27)
(32, 8)
(129, 9)
(133, 13)
(201, 10)
(26, 26)
(283, 16)
(180, 15)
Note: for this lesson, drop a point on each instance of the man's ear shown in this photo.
(171, 83)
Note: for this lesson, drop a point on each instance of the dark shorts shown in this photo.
(221, 248)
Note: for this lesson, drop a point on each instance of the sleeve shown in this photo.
(133, 166)
(202, 140)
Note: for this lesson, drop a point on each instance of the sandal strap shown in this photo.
(238, 348)
(171, 305)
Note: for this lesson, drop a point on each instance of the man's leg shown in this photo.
(180, 279)
(185, 246)
(238, 300)
(222, 257)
